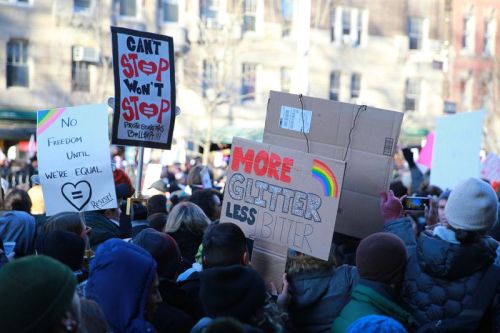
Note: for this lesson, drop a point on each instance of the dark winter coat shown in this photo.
(102, 228)
(318, 297)
(188, 242)
(441, 277)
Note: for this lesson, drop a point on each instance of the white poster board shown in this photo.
(74, 159)
(457, 145)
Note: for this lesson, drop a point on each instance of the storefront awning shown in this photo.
(16, 125)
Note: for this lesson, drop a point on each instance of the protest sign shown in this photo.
(143, 65)
(456, 156)
(74, 160)
(490, 169)
(364, 137)
(283, 196)
(425, 157)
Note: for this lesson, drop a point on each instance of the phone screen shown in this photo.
(415, 203)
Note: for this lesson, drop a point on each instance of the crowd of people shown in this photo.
(170, 266)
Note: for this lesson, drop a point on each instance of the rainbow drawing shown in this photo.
(322, 172)
(46, 118)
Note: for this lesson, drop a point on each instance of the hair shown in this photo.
(445, 195)
(298, 262)
(467, 237)
(188, 215)
(398, 188)
(66, 221)
(93, 319)
(224, 244)
(194, 175)
(140, 212)
(157, 204)
(17, 199)
(204, 200)
(225, 325)
(158, 221)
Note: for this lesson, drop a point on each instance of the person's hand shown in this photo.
(431, 212)
(284, 298)
(390, 206)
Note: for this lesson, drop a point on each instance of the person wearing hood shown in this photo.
(318, 291)
(123, 281)
(381, 262)
(450, 279)
(169, 317)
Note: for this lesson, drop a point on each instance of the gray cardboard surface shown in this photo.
(368, 156)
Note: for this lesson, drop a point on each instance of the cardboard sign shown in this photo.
(143, 65)
(364, 136)
(74, 160)
(490, 169)
(456, 149)
(283, 196)
(269, 260)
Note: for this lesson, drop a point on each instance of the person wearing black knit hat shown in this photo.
(65, 246)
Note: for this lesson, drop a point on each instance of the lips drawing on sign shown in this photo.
(147, 67)
(149, 110)
(78, 195)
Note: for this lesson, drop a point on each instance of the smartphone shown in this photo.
(415, 203)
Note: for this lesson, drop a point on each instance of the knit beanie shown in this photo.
(381, 257)
(65, 246)
(164, 250)
(376, 324)
(37, 202)
(35, 292)
(234, 291)
(472, 206)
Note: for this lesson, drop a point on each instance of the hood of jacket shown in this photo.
(449, 261)
(19, 227)
(120, 279)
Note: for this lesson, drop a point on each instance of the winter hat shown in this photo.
(36, 292)
(37, 202)
(164, 250)
(233, 291)
(472, 206)
(376, 324)
(381, 257)
(65, 246)
(157, 204)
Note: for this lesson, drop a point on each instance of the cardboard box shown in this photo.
(367, 149)
(283, 196)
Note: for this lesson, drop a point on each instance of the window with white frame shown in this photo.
(170, 11)
(208, 77)
(355, 85)
(286, 79)
(490, 27)
(469, 30)
(80, 76)
(209, 12)
(81, 6)
(128, 8)
(287, 15)
(334, 91)
(248, 81)
(348, 25)
(17, 63)
(412, 94)
(249, 15)
(415, 33)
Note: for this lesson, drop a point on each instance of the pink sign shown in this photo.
(425, 157)
(490, 170)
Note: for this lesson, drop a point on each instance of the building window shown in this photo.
(208, 78)
(286, 79)
(347, 25)
(466, 90)
(170, 11)
(490, 27)
(209, 12)
(81, 5)
(128, 8)
(335, 86)
(248, 82)
(415, 33)
(249, 14)
(355, 85)
(468, 32)
(17, 63)
(80, 76)
(412, 94)
(287, 14)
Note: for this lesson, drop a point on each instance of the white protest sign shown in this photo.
(74, 159)
(456, 148)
